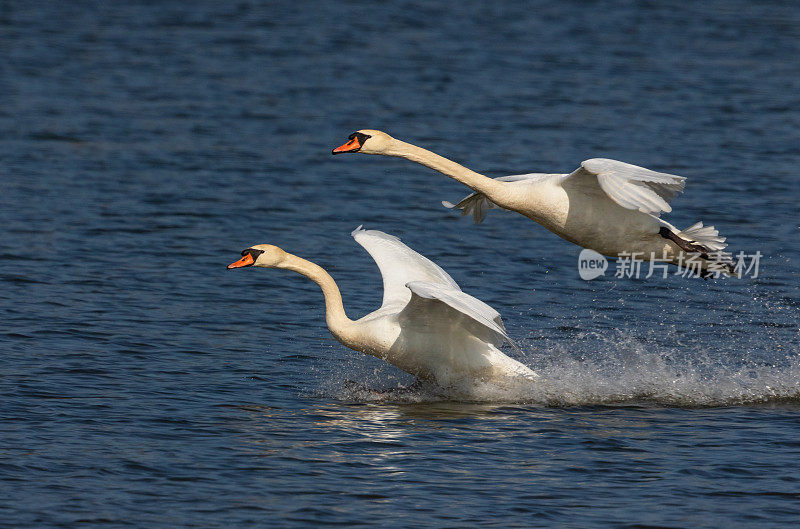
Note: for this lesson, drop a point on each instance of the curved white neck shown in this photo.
(475, 181)
(335, 317)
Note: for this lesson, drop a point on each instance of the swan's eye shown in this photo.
(254, 253)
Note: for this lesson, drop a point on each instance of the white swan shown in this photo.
(426, 325)
(609, 206)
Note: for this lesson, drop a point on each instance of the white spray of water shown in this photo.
(623, 369)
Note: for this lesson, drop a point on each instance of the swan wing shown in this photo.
(435, 306)
(630, 186)
(399, 265)
(521, 177)
(478, 205)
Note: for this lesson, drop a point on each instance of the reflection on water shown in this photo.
(535, 454)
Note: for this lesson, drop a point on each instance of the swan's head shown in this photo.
(264, 255)
(366, 141)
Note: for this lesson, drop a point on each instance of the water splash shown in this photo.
(634, 373)
(622, 369)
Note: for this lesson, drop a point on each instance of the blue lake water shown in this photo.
(144, 145)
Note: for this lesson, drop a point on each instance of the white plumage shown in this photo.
(609, 206)
(426, 325)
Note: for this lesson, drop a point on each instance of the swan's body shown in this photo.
(426, 325)
(609, 206)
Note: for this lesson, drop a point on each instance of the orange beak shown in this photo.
(351, 146)
(247, 260)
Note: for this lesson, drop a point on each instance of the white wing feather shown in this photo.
(631, 186)
(435, 304)
(399, 265)
(478, 205)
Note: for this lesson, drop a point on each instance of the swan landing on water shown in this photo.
(426, 325)
(609, 206)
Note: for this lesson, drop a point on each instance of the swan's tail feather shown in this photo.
(706, 236)
(476, 203)
(707, 241)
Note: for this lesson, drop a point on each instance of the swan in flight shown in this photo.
(426, 325)
(609, 206)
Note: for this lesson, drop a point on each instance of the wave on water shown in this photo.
(623, 371)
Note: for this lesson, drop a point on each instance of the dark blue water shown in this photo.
(144, 145)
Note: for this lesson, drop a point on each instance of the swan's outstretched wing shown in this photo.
(630, 186)
(399, 265)
(477, 203)
(436, 306)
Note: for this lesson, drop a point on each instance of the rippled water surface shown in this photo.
(143, 145)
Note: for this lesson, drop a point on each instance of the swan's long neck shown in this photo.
(336, 318)
(476, 181)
